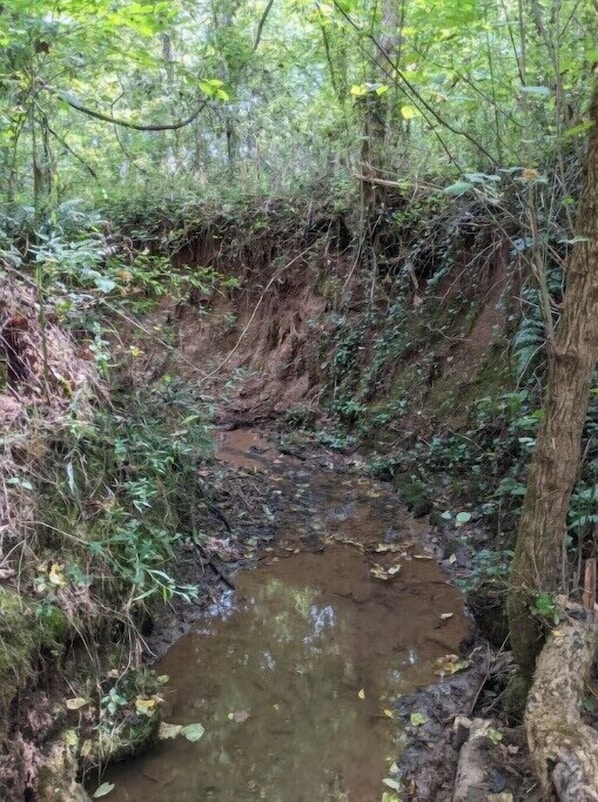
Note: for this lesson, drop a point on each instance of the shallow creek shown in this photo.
(293, 675)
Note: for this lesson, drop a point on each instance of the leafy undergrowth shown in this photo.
(413, 334)
(99, 469)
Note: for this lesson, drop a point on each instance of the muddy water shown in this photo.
(292, 676)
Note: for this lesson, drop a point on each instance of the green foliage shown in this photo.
(338, 441)
(277, 99)
(113, 701)
(72, 256)
(529, 340)
(122, 476)
(487, 564)
(18, 639)
(157, 110)
(127, 481)
(544, 606)
(129, 716)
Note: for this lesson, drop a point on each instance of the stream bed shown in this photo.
(293, 674)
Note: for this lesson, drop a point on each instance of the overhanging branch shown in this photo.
(107, 118)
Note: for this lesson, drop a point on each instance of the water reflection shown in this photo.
(284, 661)
(291, 676)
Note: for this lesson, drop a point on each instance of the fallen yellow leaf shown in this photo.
(56, 576)
(450, 664)
(379, 572)
(145, 707)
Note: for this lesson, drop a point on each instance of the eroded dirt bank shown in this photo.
(387, 344)
(401, 318)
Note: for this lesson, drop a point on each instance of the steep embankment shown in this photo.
(91, 513)
(401, 320)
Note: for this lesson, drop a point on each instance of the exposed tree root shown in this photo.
(472, 768)
(564, 750)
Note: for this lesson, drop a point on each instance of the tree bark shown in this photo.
(563, 749)
(555, 463)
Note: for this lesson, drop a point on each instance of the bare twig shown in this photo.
(261, 24)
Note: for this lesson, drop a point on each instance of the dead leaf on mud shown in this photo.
(346, 541)
(239, 716)
(193, 732)
(378, 572)
(145, 707)
(423, 557)
(56, 576)
(450, 664)
(168, 731)
(382, 548)
(446, 616)
(76, 703)
(103, 790)
(391, 783)
(361, 694)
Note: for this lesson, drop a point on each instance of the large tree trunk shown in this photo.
(555, 463)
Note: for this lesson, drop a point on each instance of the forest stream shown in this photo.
(293, 674)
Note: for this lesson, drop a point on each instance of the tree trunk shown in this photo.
(374, 151)
(555, 463)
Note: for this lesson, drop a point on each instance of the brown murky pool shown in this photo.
(293, 675)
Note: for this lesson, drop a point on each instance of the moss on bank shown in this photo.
(19, 640)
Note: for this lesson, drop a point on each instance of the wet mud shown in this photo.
(295, 675)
